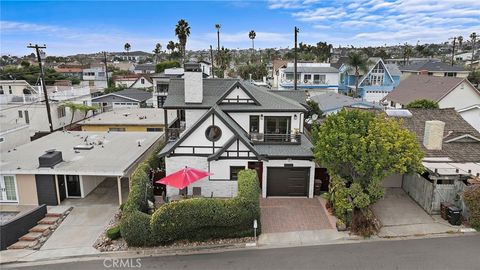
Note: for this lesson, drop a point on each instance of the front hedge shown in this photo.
(471, 196)
(196, 219)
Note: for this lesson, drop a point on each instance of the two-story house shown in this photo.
(95, 77)
(309, 76)
(232, 125)
(373, 85)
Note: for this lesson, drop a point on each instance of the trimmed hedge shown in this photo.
(196, 219)
(471, 196)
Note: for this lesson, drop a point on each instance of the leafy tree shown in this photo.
(257, 71)
(160, 67)
(361, 149)
(422, 104)
(474, 77)
(357, 62)
(32, 73)
(182, 31)
(314, 109)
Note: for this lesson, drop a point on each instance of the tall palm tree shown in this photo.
(252, 35)
(171, 46)
(460, 42)
(127, 48)
(182, 31)
(218, 26)
(157, 51)
(473, 38)
(357, 62)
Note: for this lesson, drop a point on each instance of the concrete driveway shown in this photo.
(401, 216)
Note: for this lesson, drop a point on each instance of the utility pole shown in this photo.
(42, 78)
(453, 49)
(211, 60)
(296, 30)
(106, 66)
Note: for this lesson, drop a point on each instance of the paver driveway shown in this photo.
(280, 215)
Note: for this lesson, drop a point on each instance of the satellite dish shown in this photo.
(314, 117)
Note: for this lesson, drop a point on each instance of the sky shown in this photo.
(71, 27)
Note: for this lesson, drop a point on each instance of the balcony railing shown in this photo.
(262, 138)
(173, 134)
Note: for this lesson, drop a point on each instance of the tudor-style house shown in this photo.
(232, 125)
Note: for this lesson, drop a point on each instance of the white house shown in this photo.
(448, 92)
(16, 87)
(231, 125)
(309, 76)
(94, 77)
(125, 99)
(13, 135)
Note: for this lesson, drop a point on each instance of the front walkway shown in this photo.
(401, 216)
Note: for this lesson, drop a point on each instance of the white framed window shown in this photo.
(8, 188)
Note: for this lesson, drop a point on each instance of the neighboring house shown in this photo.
(433, 68)
(161, 81)
(375, 84)
(143, 82)
(125, 81)
(94, 77)
(448, 92)
(125, 99)
(309, 76)
(68, 164)
(330, 103)
(32, 110)
(408, 61)
(16, 87)
(206, 68)
(138, 119)
(13, 135)
(232, 125)
(135, 56)
(452, 155)
(71, 72)
(276, 66)
(144, 69)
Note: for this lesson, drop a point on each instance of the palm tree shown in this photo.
(182, 31)
(171, 46)
(407, 52)
(357, 62)
(252, 35)
(157, 51)
(127, 48)
(73, 107)
(460, 42)
(473, 38)
(217, 26)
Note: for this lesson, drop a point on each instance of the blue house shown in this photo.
(374, 85)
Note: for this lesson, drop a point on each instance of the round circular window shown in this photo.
(213, 133)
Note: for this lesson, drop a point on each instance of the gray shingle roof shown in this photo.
(333, 101)
(431, 65)
(287, 150)
(313, 69)
(214, 89)
(423, 87)
(393, 69)
(299, 96)
(455, 126)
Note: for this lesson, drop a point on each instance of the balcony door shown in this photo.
(275, 126)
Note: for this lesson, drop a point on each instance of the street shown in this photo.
(461, 252)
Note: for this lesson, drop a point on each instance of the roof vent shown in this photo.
(83, 147)
(50, 159)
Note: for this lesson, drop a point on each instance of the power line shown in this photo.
(42, 77)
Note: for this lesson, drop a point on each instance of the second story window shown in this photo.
(162, 88)
(318, 79)
(254, 123)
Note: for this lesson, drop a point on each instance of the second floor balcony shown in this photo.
(263, 138)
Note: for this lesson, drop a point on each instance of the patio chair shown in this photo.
(197, 191)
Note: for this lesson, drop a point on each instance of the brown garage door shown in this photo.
(291, 181)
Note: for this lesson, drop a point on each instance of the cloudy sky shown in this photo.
(68, 27)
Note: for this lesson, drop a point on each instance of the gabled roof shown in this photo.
(431, 65)
(424, 87)
(298, 95)
(215, 89)
(229, 122)
(233, 87)
(458, 142)
(129, 93)
(374, 61)
(145, 76)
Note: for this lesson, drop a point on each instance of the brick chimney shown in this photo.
(193, 80)
(433, 135)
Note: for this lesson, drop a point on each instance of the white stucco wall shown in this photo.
(472, 116)
(89, 183)
(461, 97)
(14, 137)
(192, 116)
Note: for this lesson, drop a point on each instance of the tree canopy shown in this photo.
(160, 67)
(31, 73)
(257, 71)
(422, 104)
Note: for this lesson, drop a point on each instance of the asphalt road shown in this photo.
(456, 253)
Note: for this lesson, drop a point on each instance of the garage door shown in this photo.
(292, 181)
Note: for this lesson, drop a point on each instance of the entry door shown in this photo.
(73, 186)
(61, 187)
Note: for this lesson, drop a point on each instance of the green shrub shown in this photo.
(207, 218)
(471, 196)
(160, 67)
(135, 228)
(114, 233)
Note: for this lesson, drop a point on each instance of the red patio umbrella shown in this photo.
(183, 177)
